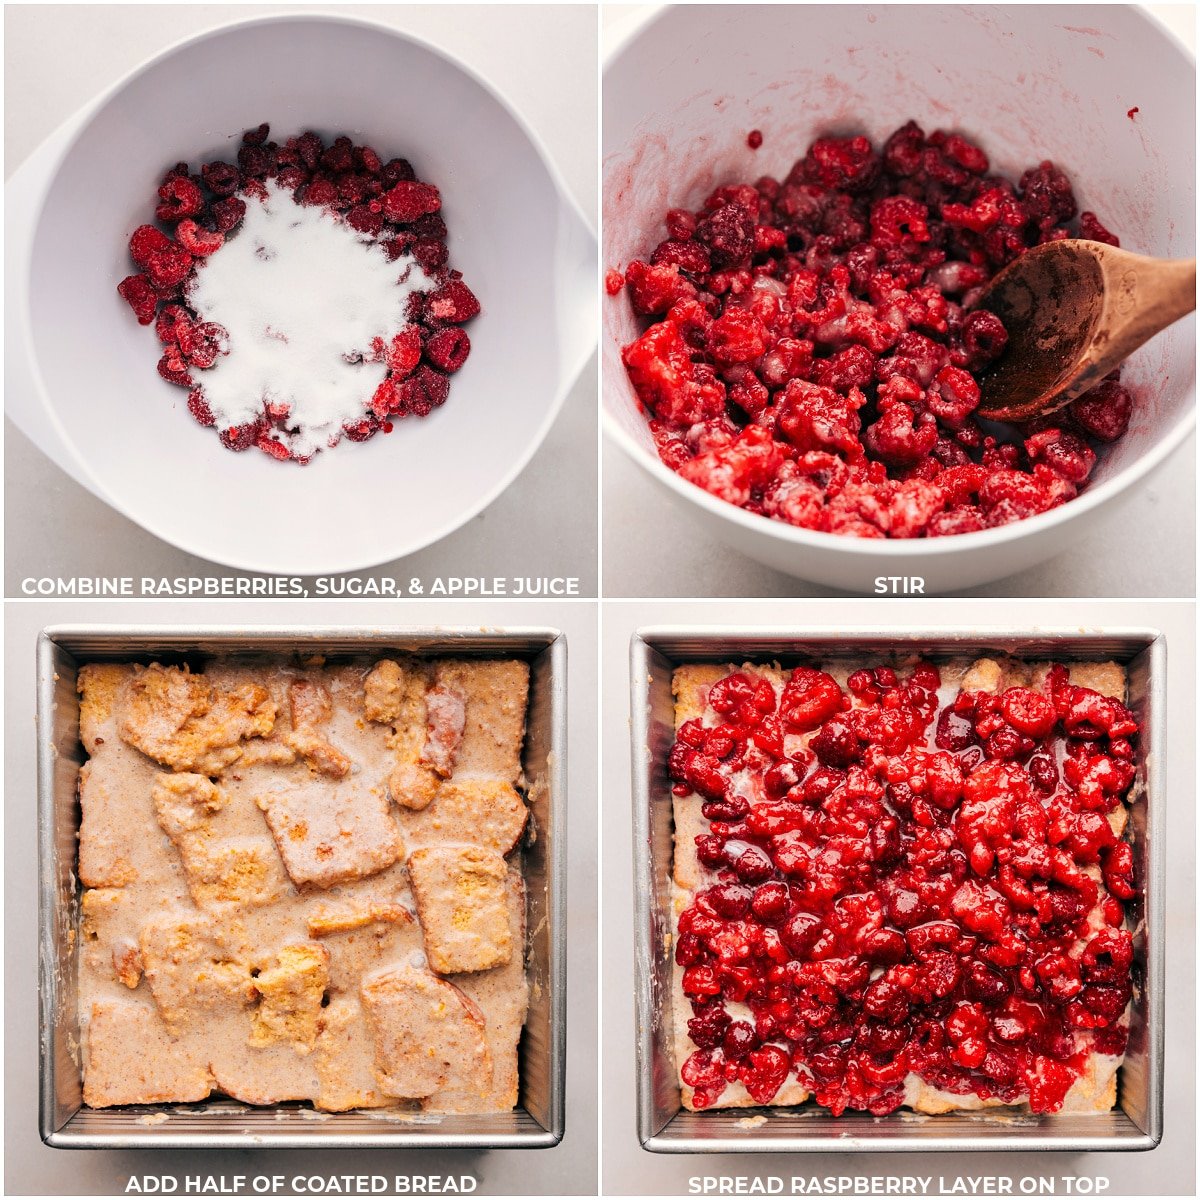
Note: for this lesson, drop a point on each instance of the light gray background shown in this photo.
(545, 523)
(627, 1169)
(1158, 524)
(33, 1169)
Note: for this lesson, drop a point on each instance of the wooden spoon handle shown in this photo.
(1142, 297)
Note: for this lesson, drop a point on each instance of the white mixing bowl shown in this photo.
(90, 397)
(1027, 82)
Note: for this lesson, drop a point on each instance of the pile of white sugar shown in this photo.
(301, 294)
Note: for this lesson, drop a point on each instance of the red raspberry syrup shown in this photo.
(928, 888)
(810, 351)
(383, 203)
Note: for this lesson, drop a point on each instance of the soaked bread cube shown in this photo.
(290, 995)
(345, 1059)
(99, 685)
(181, 721)
(240, 871)
(413, 786)
(132, 1059)
(196, 965)
(479, 812)
(496, 696)
(327, 833)
(428, 1035)
(460, 894)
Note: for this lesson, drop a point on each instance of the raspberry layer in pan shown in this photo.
(902, 885)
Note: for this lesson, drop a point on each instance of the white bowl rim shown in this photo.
(83, 119)
(902, 548)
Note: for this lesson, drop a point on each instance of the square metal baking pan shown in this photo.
(664, 1125)
(538, 1120)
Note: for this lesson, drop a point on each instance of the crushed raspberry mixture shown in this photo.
(923, 889)
(811, 352)
(381, 201)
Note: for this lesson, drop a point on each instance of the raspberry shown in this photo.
(409, 200)
(1104, 412)
(728, 234)
(1047, 195)
(847, 164)
(656, 289)
(228, 213)
(614, 281)
(339, 157)
(431, 254)
(320, 192)
(425, 390)
(168, 268)
(404, 352)
(221, 178)
(431, 225)
(453, 303)
(147, 240)
(1090, 227)
(397, 170)
(256, 137)
(448, 349)
(180, 197)
(363, 431)
(197, 241)
(173, 368)
(273, 447)
(199, 409)
(365, 219)
(136, 291)
(168, 323)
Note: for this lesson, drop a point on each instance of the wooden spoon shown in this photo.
(1074, 309)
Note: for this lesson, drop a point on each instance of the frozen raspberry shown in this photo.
(1047, 195)
(365, 219)
(1104, 412)
(397, 170)
(431, 254)
(728, 234)
(367, 160)
(1090, 228)
(404, 352)
(431, 225)
(339, 157)
(221, 178)
(272, 447)
(256, 137)
(421, 393)
(196, 240)
(228, 213)
(198, 407)
(168, 323)
(364, 430)
(846, 164)
(409, 200)
(320, 192)
(201, 343)
(168, 268)
(180, 197)
(255, 162)
(174, 368)
(448, 349)
(147, 240)
(654, 290)
(453, 304)
(136, 291)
